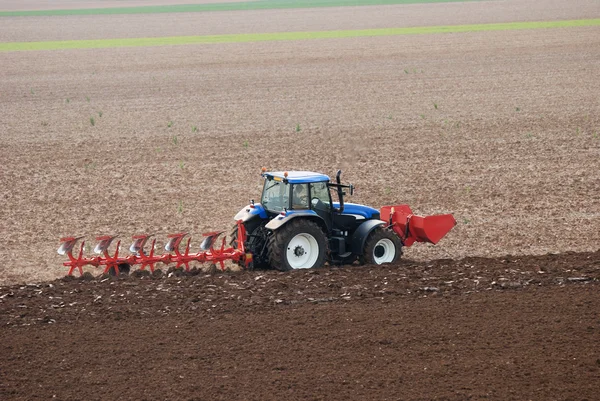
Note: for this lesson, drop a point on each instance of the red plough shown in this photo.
(112, 264)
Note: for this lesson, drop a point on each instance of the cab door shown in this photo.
(320, 202)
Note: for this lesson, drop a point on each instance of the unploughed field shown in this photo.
(502, 129)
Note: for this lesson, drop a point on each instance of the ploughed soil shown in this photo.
(507, 328)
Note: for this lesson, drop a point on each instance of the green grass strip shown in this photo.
(263, 37)
(235, 6)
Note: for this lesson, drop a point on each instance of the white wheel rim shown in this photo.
(384, 251)
(302, 251)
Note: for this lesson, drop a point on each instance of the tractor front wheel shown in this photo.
(300, 244)
(382, 246)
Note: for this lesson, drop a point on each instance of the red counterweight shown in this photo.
(412, 228)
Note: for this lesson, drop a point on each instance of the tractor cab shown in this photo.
(297, 193)
(285, 191)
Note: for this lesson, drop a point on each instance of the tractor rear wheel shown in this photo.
(382, 246)
(256, 238)
(300, 244)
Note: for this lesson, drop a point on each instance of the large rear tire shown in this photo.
(255, 243)
(300, 244)
(382, 246)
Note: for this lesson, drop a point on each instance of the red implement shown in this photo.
(411, 228)
(182, 258)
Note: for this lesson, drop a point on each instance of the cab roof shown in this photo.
(298, 177)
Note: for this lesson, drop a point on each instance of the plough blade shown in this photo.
(182, 258)
(67, 245)
(139, 241)
(104, 243)
(209, 240)
(411, 228)
(174, 240)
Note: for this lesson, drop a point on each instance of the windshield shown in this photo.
(276, 196)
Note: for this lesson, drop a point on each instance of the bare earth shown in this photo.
(474, 329)
(500, 128)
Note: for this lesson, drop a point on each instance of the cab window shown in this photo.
(276, 196)
(300, 196)
(319, 193)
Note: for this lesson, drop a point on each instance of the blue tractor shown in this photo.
(302, 222)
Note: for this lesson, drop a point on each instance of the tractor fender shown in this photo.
(250, 212)
(281, 220)
(362, 233)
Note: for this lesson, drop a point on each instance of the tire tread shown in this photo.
(284, 234)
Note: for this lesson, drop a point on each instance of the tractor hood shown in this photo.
(359, 211)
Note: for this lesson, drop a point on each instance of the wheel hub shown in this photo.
(299, 251)
(384, 251)
(302, 251)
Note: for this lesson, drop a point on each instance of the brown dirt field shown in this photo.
(502, 129)
(512, 149)
(503, 329)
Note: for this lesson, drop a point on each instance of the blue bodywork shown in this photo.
(360, 210)
(251, 211)
(259, 210)
(299, 177)
(281, 219)
(301, 211)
